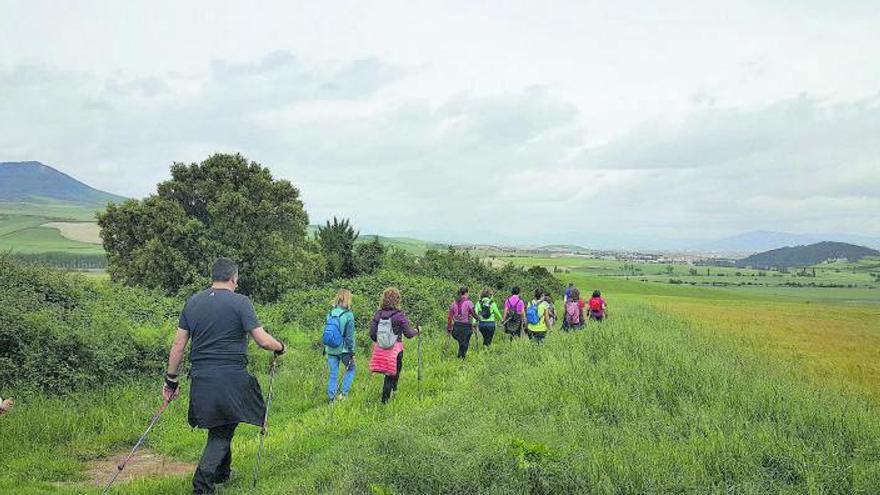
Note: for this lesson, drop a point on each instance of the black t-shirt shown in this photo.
(218, 322)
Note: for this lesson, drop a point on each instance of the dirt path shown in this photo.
(145, 463)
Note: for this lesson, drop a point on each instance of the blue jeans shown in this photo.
(333, 383)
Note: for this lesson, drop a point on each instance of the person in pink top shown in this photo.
(459, 321)
(514, 314)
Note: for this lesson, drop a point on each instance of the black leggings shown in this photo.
(462, 333)
(487, 328)
(391, 381)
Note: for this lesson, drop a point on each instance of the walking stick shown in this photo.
(265, 430)
(419, 356)
(140, 442)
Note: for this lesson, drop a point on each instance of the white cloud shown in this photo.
(508, 121)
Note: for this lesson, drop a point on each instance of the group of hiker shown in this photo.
(217, 321)
(519, 318)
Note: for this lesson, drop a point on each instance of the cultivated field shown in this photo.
(57, 228)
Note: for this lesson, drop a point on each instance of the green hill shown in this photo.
(33, 195)
(37, 183)
(809, 255)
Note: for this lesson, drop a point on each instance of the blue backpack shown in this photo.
(532, 315)
(333, 330)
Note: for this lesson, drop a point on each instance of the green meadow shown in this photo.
(21, 228)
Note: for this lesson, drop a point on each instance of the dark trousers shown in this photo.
(462, 332)
(537, 336)
(214, 467)
(391, 381)
(487, 328)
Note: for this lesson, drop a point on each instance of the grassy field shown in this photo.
(648, 402)
(684, 389)
(50, 209)
(827, 334)
(23, 230)
(844, 281)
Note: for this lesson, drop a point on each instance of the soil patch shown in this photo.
(144, 464)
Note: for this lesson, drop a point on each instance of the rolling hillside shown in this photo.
(763, 240)
(809, 255)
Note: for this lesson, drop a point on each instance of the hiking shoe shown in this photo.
(341, 397)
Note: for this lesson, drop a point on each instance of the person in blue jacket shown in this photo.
(344, 353)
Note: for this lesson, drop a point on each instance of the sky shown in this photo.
(605, 123)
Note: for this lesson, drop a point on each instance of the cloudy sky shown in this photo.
(599, 122)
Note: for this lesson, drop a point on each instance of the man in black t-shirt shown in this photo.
(223, 393)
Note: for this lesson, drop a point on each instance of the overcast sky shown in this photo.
(536, 122)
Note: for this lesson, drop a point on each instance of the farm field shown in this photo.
(51, 227)
(39, 239)
(839, 281)
(830, 335)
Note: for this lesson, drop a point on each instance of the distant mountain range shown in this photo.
(763, 240)
(35, 182)
(789, 257)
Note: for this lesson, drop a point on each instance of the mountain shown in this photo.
(35, 182)
(809, 255)
(563, 248)
(763, 240)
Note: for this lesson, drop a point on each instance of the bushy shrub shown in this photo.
(462, 268)
(60, 332)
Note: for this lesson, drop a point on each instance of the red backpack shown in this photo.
(596, 304)
(573, 313)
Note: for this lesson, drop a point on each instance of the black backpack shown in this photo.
(512, 315)
(485, 308)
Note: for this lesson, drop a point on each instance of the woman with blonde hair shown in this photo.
(339, 345)
(387, 329)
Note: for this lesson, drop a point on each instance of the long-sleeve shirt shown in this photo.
(494, 313)
(346, 322)
(399, 324)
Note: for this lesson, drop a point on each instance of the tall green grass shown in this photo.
(641, 404)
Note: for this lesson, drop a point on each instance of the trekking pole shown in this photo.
(273, 367)
(140, 442)
(419, 356)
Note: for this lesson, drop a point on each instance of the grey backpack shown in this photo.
(385, 333)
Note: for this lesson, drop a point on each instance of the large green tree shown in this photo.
(337, 244)
(224, 206)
